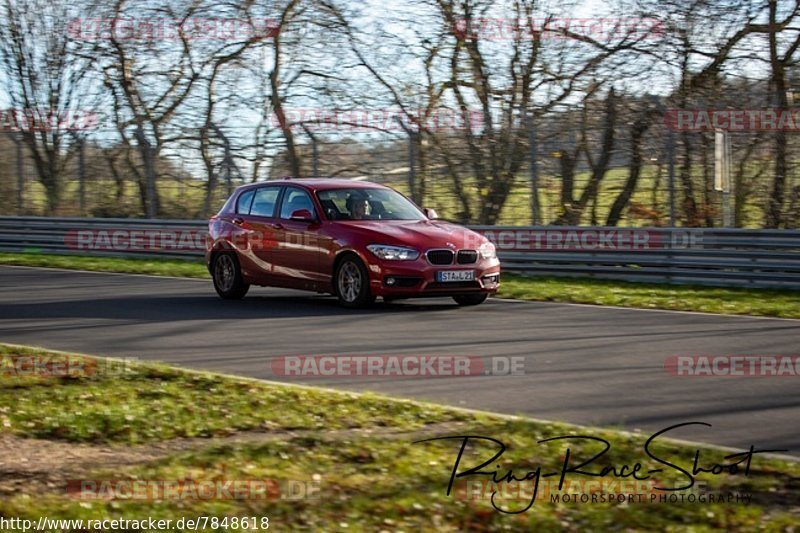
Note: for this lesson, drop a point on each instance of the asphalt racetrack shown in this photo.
(582, 364)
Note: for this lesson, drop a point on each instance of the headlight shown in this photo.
(488, 251)
(393, 253)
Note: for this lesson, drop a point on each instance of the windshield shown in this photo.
(367, 204)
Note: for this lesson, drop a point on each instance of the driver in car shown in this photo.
(359, 208)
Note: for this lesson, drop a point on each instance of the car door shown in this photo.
(259, 224)
(296, 258)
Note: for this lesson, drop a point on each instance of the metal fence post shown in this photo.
(534, 167)
(314, 151)
(412, 171)
(82, 174)
(671, 175)
(20, 178)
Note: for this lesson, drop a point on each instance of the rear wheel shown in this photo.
(352, 283)
(227, 277)
(471, 299)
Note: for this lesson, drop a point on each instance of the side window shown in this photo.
(264, 202)
(244, 202)
(295, 199)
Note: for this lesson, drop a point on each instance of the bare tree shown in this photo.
(47, 77)
(148, 84)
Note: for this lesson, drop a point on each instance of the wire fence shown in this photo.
(105, 184)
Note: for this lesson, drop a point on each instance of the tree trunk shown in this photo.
(774, 216)
(689, 203)
(638, 130)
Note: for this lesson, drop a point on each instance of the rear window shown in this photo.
(244, 202)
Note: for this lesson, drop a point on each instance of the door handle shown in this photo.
(277, 226)
(238, 221)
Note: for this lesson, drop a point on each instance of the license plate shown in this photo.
(455, 275)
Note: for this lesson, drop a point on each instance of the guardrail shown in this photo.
(116, 237)
(727, 257)
(724, 257)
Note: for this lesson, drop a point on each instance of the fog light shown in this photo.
(391, 281)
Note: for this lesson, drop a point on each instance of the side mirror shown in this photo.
(430, 213)
(302, 215)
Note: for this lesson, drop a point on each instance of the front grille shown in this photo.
(466, 257)
(440, 257)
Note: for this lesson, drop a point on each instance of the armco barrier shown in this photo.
(120, 237)
(730, 257)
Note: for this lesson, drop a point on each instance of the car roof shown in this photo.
(319, 184)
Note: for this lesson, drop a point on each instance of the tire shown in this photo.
(351, 282)
(471, 299)
(227, 277)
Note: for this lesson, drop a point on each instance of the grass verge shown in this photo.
(728, 301)
(154, 267)
(333, 461)
(732, 301)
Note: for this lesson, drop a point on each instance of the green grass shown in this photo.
(371, 479)
(729, 301)
(155, 267)
(132, 403)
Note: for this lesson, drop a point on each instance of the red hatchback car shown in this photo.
(353, 239)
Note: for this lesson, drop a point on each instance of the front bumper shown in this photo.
(410, 279)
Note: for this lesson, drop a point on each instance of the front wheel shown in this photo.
(227, 276)
(352, 283)
(471, 299)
